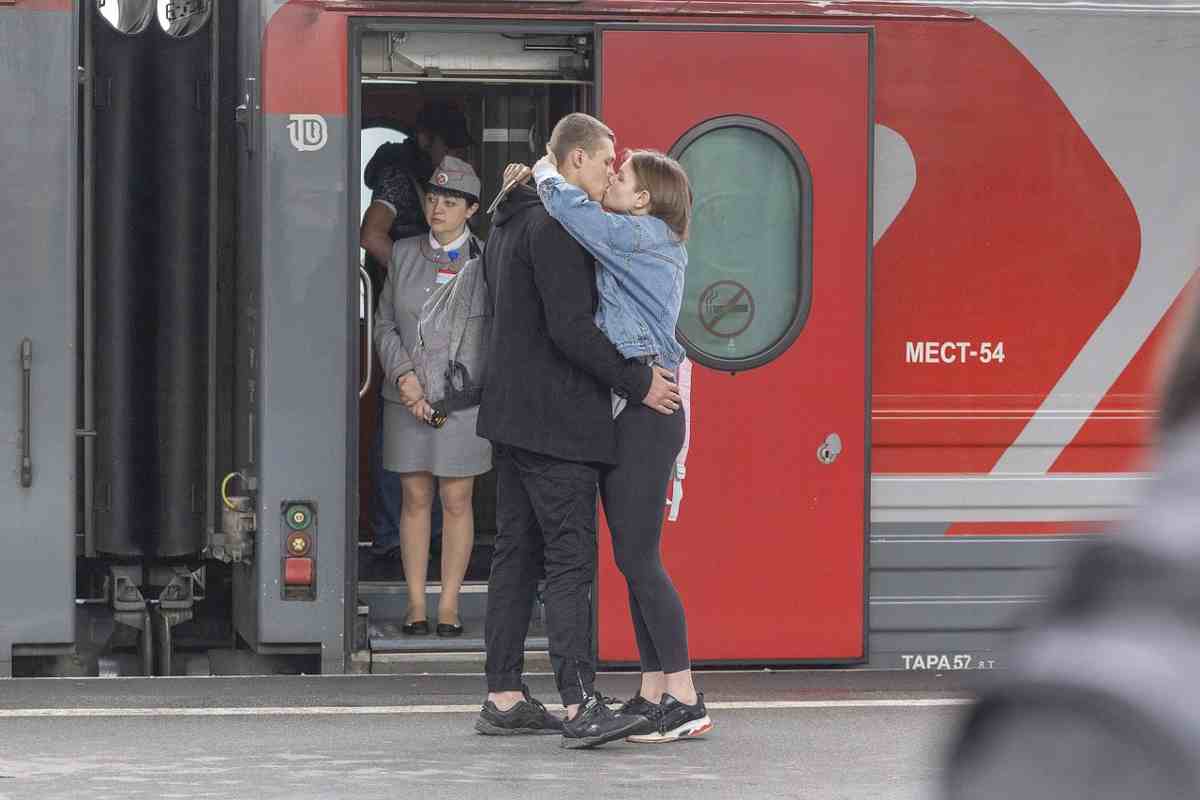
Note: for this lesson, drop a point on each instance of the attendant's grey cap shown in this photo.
(456, 175)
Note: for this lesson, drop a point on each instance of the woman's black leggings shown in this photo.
(634, 493)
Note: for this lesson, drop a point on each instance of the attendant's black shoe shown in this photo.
(445, 629)
(596, 723)
(639, 706)
(418, 628)
(528, 716)
(677, 721)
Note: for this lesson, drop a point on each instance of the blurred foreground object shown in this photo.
(1102, 701)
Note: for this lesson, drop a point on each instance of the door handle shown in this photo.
(830, 449)
(26, 412)
(245, 115)
(364, 279)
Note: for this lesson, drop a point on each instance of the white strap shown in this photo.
(683, 377)
(676, 494)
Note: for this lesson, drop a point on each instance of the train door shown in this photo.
(509, 84)
(774, 127)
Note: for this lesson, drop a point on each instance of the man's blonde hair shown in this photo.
(578, 130)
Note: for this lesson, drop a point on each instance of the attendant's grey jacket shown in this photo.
(411, 279)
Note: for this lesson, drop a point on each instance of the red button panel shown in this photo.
(298, 571)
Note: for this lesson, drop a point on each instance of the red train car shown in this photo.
(936, 252)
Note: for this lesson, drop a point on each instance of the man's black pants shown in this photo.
(545, 515)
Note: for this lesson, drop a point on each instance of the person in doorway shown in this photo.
(547, 410)
(396, 175)
(637, 234)
(453, 454)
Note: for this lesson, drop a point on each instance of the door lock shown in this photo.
(828, 452)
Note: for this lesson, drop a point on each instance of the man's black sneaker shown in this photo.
(678, 721)
(641, 707)
(528, 716)
(596, 723)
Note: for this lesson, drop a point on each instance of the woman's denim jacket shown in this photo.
(642, 266)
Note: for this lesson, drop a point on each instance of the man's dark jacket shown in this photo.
(549, 368)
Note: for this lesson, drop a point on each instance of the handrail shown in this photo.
(26, 413)
(365, 280)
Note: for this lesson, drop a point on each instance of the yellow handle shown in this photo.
(225, 486)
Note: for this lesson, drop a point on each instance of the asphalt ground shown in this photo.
(806, 734)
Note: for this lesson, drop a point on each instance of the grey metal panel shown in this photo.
(939, 642)
(897, 584)
(951, 613)
(937, 595)
(37, 291)
(989, 498)
(962, 552)
(307, 379)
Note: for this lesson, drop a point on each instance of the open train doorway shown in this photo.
(510, 87)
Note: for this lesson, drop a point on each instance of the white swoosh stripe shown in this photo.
(1074, 53)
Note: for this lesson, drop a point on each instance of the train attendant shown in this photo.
(453, 454)
(637, 234)
(395, 175)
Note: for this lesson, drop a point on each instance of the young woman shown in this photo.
(452, 453)
(637, 237)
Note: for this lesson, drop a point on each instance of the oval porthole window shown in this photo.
(180, 18)
(127, 16)
(749, 279)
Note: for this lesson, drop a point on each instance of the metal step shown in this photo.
(384, 636)
(409, 663)
(387, 602)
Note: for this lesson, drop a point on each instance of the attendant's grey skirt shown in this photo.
(451, 451)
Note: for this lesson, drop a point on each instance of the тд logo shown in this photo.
(308, 131)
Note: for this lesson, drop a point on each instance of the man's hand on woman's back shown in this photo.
(664, 395)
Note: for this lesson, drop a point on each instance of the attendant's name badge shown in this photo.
(444, 276)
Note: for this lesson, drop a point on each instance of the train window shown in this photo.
(180, 18)
(127, 16)
(749, 282)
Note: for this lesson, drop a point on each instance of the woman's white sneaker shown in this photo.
(677, 721)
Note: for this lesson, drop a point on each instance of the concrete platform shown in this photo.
(816, 735)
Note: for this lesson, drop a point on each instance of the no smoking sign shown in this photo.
(726, 308)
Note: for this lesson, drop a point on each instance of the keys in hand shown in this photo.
(513, 174)
(516, 173)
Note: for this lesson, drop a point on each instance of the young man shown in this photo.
(547, 410)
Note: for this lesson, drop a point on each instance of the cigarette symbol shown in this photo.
(714, 309)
